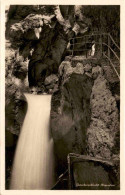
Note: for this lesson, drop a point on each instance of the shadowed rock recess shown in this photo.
(70, 117)
(84, 106)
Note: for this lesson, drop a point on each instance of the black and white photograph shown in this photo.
(62, 96)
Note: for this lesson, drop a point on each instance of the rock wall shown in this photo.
(37, 38)
(41, 34)
(104, 124)
(70, 117)
(84, 116)
(16, 82)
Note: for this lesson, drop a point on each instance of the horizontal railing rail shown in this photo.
(112, 66)
(113, 41)
(89, 35)
(112, 51)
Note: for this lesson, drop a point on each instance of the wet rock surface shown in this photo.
(16, 84)
(36, 42)
(71, 117)
(87, 68)
(41, 34)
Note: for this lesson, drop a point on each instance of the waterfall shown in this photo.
(33, 166)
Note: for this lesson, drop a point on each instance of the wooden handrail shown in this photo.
(90, 35)
(102, 43)
(108, 34)
(84, 42)
(112, 50)
(112, 65)
(114, 41)
(97, 43)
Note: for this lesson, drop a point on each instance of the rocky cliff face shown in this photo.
(71, 117)
(104, 120)
(37, 38)
(41, 34)
(84, 116)
(16, 83)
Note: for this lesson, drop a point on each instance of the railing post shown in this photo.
(108, 46)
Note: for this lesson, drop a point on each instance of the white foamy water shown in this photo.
(33, 166)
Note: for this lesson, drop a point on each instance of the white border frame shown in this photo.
(2, 97)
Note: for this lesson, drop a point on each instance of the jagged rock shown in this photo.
(30, 28)
(44, 55)
(96, 71)
(16, 84)
(87, 68)
(79, 68)
(99, 139)
(104, 119)
(41, 35)
(26, 18)
(39, 42)
(52, 88)
(56, 88)
(68, 58)
(61, 18)
(70, 117)
(65, 69)
(51, 79)
(88, 74)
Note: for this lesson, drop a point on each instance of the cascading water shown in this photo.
(33, 166)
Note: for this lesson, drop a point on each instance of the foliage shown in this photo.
(105, 19)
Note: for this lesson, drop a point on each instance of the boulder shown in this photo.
(87, 68)
(65, 69)
(68, 58)
(79, 68)
(96, 71)
(51, 79)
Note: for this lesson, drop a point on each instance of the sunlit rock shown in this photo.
(104, 124)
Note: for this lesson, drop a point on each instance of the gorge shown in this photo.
(85, 94)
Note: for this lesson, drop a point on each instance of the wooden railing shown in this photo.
(108, 48)
(112, 65)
